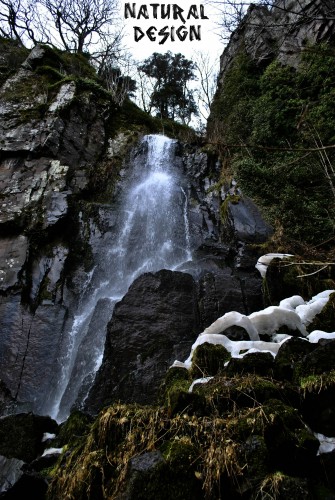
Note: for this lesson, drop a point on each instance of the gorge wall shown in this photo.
(63, 165)
(251, 428)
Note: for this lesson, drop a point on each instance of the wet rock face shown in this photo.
(155, 322)
(49, 139)
(28, 348)
(13, 253)
(278, 32)
(52, 138)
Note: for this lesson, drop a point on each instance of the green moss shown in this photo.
(280, 486)
(325, 320)
(73, 429)
(180, 453)
(224, 208)
(277, 114)
(44, 292)
(208, 359)
(316, 383)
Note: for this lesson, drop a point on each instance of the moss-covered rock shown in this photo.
(261, 363)
(320, 360)
(292, 447)
(281, 487)
(318, 404)
(21, 435)
(284, 279)
(291, 352)
(176, 396)
(208, 359)
(75, 427)
(325, 320)
(224, 394)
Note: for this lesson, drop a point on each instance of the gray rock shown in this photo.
(247, 223)
(28, 348)
(10, 472)
(13, 254)
(281, 31)
(155, 323)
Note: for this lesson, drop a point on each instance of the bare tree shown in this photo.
(145, 88)
(120, 83)
(80, 24)
(18, 21)
(73, 25)
(206, 71)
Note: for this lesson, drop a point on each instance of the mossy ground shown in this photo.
(243, 435)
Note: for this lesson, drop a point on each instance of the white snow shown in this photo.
(292, 302)
(309, 310)
(229, 319)
(272, 318)
(317, 335)
(202, 380)
(47, 436)
(292, 312)
(327, 444)
(52, 451)
(234, 347)
(265, 260)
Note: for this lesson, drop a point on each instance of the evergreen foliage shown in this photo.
(272, 125)
(170, 96)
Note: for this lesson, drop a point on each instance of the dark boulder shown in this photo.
(290, 352)
(29, 485)
(155, 323)
(21, 435)
(260, 363)
(222, 290)
(320, 360)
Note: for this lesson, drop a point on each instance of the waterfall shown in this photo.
(150, 233)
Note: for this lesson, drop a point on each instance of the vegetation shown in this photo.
(275, 129)
(70, 25)
(244, 439)
(170, 96)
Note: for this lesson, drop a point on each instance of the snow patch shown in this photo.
(202, 380)
(52, 451)
(327, 444)
(265, 260)
(293, 312)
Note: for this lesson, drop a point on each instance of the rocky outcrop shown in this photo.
(224, 279)
(52, 132)
(280, 31)
(155, 321)
(243, 430)
(22, 434)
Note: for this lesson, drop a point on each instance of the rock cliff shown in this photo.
(249, 427)
(64, 144)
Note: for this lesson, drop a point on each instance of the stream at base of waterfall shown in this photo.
(150, 232)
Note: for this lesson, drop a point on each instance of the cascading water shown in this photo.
(151, 233)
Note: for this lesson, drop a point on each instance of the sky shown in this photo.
(209, 43)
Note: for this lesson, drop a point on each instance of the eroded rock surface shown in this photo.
(156, 321)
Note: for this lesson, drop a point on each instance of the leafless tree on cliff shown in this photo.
(206, 72)
(73, 25)
(81, 24)
(18, 21)
(232, 12)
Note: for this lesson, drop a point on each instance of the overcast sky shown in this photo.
(209, 43)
